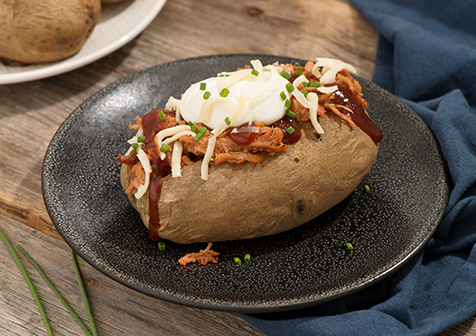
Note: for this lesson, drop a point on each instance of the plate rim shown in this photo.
(230, 307)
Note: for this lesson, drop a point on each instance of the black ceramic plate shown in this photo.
(298, 268)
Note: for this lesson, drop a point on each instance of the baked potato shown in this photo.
(288, 170)
(109, 2)
(45, 31)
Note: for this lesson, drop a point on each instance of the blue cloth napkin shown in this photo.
(426, 57)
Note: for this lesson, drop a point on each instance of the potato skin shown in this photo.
(109, 2)
(45, 31)
(250, 200)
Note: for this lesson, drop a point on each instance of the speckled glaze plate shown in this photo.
(302, 267)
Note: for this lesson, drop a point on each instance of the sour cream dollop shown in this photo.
(246, 97)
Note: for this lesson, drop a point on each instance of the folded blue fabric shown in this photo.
(426, 57)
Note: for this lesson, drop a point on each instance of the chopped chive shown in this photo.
(141, 139)
(285, 74)
(203, 86)
(305, 84)
(314, 84)
(164, 148)
(304, 92)
(87, 307)
(58, 294)
(297, 72)
(161, 115)
(227, 120)
(237, 260)
(349, 246)
(224, 92)
(191, 124)
(28, 281)
(193, 127)
(287, 103)
(135, 145)
(200, 134)
(247, 257)
(206, 95)
(255, 72)
(290, 87)
(161, 246)
(367, 189)
(283, 95)
(290, 130)
(297, 64)
(291, 113)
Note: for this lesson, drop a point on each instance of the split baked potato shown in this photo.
(209, 199)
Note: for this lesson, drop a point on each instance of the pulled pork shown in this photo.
(203, 257)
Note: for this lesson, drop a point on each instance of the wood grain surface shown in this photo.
(31, 112)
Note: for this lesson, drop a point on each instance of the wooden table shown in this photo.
(30, 114)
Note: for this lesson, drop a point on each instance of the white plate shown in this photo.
(118, 25)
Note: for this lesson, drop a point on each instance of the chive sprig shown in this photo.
(87, 307)
(34, 293)
(58, 294)
(28, 281)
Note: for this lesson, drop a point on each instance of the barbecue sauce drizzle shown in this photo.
(284, 124)
(358, 116)
(151, 125)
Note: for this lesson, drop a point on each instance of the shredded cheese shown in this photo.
(301, 79)
(133, 140)
(327, 89)
(177, 158)
(314, 100)
(273, 67)
(177, 136)
(174, 105)
(171, 131)
(235, 115)
(232, 78)
(208, 155)
(298, 94)
(311, 102)
(144, 160)
(206, 110)
(257, 65)
(330, 68)
(324, 64)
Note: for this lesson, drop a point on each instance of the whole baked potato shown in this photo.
(45, 31)
(236, 180)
